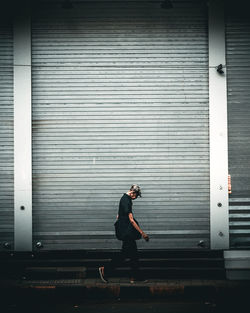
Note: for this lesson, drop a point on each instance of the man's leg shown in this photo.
(116, 260)
(132, 253)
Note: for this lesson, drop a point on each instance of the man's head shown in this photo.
(135, 191)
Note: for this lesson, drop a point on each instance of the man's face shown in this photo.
(133, 195)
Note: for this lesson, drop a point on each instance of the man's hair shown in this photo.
(135, 188)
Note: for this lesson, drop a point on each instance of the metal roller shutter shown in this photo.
(238, 74)
(6, 135)
(120, 96)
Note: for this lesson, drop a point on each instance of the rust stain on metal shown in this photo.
(161, 290)
(114, 290)
(43, 287)
(229, 184)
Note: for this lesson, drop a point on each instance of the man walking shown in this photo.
(129, 247)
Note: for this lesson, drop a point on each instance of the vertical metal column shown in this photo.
(22, 132)
(219, 224)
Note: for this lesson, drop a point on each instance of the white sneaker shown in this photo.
(101, 273)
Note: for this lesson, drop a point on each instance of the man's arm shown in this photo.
(132, 221)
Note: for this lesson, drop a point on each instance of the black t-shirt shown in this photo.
(125, 206)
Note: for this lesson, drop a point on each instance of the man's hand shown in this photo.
(145, 236)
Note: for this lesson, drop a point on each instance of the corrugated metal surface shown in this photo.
(120, 96)
(6, 135)
(238, 75)
(238, 71)
(239, 222)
